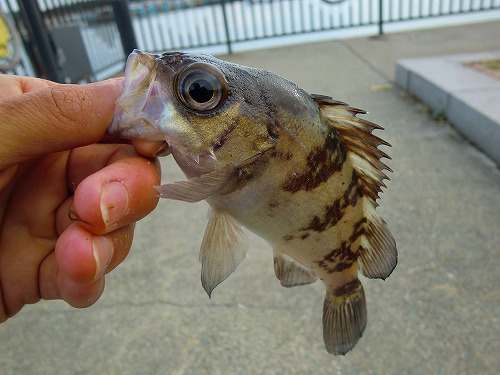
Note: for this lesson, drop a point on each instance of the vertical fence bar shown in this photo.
(380, 17)
(241, 14)
(40, 35)
(218, 36)
(263, 20)
(251, 23)
(226, 26)
(124, 24)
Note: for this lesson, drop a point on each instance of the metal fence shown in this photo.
(159, 27)
(241, 21)
(72, 40)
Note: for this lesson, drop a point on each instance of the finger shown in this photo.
(151, 149)
(55, 118)
(84, 257)
(79, 295)
(82, 261)
(28, 232)
(116, 195)
(47, 278)
(16, 85)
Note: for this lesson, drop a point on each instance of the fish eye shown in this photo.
(201, 87)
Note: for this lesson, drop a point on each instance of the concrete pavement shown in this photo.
(436, 314)
(467, 97)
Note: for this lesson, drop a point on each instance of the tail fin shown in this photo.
(344, 317)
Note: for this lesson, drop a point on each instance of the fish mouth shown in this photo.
(142, 103)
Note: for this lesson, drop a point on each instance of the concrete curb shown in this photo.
(470, 99)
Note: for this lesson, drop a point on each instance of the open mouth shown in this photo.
(139, 66)
(142, 104)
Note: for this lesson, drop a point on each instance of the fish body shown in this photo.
(300, 170)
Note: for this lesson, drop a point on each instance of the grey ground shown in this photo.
(467, 97)
(437, 314)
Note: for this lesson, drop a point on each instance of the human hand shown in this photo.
(50, 166)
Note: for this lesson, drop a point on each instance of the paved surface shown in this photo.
(467, 97)
(437, 313)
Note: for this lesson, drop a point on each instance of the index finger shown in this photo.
(55, 118)
(16, 85)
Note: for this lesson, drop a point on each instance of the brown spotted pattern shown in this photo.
(334, 212)
(348, 289)
(343, 257)
(321, 164)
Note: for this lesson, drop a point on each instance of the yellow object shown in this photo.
(4, 38)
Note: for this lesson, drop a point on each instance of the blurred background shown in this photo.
(88, 40)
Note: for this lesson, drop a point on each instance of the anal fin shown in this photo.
(291, 273)
(378, 255)
(344, 317)
(223, 248)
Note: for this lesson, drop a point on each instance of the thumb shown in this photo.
(55, 118)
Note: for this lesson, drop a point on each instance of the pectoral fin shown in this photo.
(291, 273)
(221, 181)
(223, 248)
(198, 188)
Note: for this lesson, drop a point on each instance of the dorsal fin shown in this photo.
(377, 253)
(359, 141)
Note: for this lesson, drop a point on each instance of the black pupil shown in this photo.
(201, 91)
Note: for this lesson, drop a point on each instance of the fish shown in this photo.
(300, 170)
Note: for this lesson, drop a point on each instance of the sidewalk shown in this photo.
(436, 314)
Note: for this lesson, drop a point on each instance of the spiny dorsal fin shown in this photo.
(377, 253)
(360, 143)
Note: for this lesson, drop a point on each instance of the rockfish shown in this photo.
(300, 170)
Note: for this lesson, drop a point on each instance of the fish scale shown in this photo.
(300, 170)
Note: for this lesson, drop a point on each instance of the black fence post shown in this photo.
(380, 17)
(226, 26)
(39, 36)
(124, 24)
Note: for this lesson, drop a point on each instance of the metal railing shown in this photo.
(226, 22)
(229, 22)
(72, 40)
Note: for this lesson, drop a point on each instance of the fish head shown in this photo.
(203, 106)
(146, 107)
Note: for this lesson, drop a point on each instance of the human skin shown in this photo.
(68, 200)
